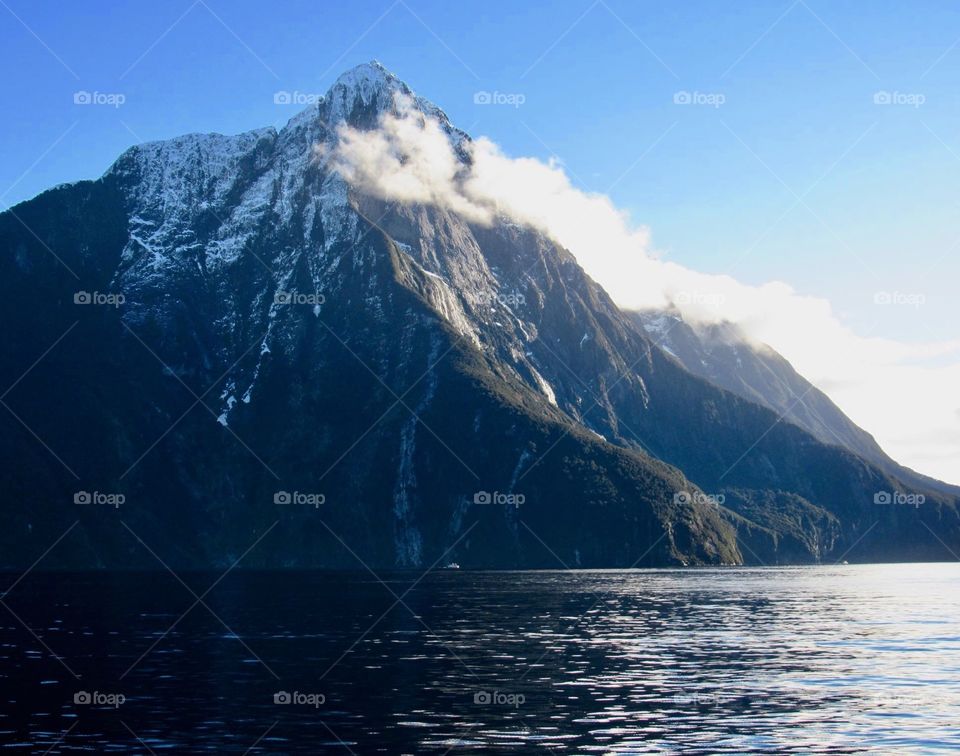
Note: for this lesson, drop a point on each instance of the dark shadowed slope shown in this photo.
(283, 333)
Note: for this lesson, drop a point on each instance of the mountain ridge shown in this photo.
(562, 397)
(723, 354)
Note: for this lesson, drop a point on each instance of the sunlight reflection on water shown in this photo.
(807, 659)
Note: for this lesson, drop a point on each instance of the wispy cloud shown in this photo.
(904, 393)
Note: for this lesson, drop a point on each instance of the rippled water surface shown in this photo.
(807, 660)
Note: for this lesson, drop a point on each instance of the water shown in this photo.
(775, 660)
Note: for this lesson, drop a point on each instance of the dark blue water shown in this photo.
(776, 660)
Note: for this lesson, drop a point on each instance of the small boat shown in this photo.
(451, 566)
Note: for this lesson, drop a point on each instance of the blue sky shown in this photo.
(798, 175)
(718, 186)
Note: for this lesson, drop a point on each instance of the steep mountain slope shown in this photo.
(282, 332)
(725, 356)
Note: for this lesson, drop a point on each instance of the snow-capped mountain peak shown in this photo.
(367, 79)
(364, 90)
(417, 356)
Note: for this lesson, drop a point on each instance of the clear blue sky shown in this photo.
(599, 80)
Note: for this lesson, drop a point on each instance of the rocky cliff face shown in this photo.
(725, 356)
(388, 382)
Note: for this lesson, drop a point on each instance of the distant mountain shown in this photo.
(724, 355)
(259, 341)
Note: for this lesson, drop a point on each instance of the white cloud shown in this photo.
(408, 159)
(903, 393)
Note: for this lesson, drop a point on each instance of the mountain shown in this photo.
(724, 355)
(243, 345)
